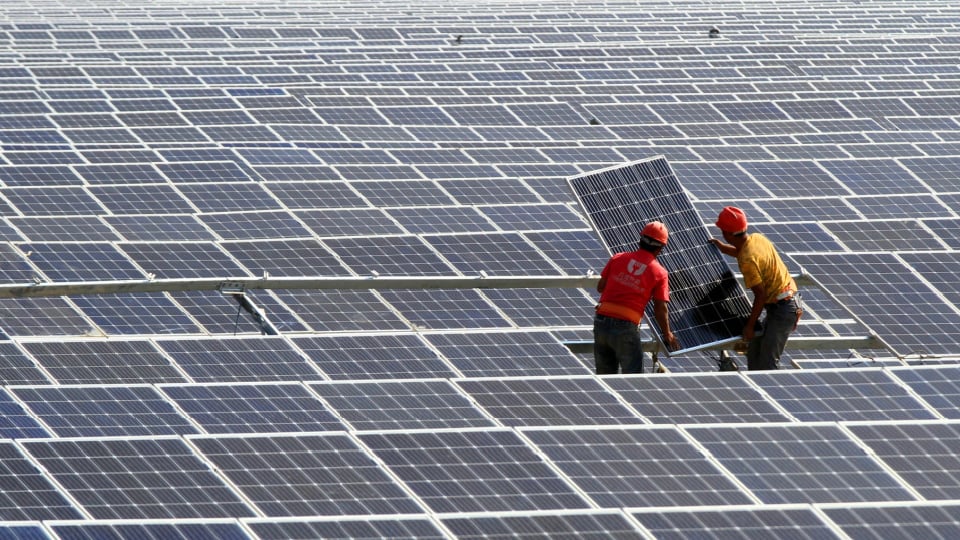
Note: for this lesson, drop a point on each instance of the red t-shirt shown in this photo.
(633, 278)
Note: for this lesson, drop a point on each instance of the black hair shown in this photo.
(649, 244)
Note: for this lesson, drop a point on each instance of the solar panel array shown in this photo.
(159, 140)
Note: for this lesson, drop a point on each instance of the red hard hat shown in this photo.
(655, 230)
(732, 220)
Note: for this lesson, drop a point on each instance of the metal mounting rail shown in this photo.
(237, 285)
(794, 343)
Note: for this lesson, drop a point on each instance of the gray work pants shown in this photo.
(765, 350)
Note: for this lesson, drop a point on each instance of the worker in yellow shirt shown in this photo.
(774, 289)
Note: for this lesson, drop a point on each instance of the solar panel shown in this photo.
(782, 464)
(498, 472)
(185, 530)
(252, 408)
(145, 478)
(740, 523)
(875, 287)
(302, 529)
(29, 494)
(104, 411)
(937, 385)
(402, 405)
(506, 354)
(707, 305)
(921, 453)
(703, 398)
(593, 525)
(548, 401)
(841, 395)
(307, 475)
(239, 360)
(896, 521)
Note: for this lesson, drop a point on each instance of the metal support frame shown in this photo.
(237, 287)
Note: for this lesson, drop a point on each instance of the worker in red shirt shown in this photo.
(627, 283)
(774, 289)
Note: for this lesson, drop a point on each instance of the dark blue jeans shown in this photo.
(764, 350)
(616, 345)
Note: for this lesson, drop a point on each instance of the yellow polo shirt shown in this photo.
(761, 265)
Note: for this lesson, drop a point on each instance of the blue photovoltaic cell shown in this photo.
(341, 310)
(104, 411)
(146, 478)
(798, 237)
(308, 475)
(27, 493)
(17, 368)
(937, 385)
(136, 313)
(228, 197)
(498, 254)
(736, 524)
(575, 252)
(880, 290)
(444, 219)
(373, 356)
(842, 395)
(103, 362)
(255, 225)
(143, 199)
(900, 207)
(333, 222)
(207, 530)
(527, 217)
(594, 526)
(15, 422)
(794, 179)
(43, 317)
(897, 522)
(707, 304)
(802, 463)
(159, 228)
(717, 180)
(54, 201)
(238, 360)
(504, 354)
(389, 256)
(401, 528)
(183, 260)
(253, 408)
(82, 262)
(289, 258)
(898, 235)
(439, 309)
(473, 471)
(23, 532)
(922, 453)
(548, 401)
(386, 405)
(874, 176)
(633, 466)
(538, 308)
(701, 398)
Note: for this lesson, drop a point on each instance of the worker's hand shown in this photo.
(714, 241)
(671, 341)
(748, 332)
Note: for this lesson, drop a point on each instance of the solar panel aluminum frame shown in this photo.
(708, 307)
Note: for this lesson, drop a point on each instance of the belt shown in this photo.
(616, 311)
(781, 302)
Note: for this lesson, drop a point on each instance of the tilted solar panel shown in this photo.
(707, 304)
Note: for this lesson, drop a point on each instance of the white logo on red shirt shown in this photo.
(636, 267)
